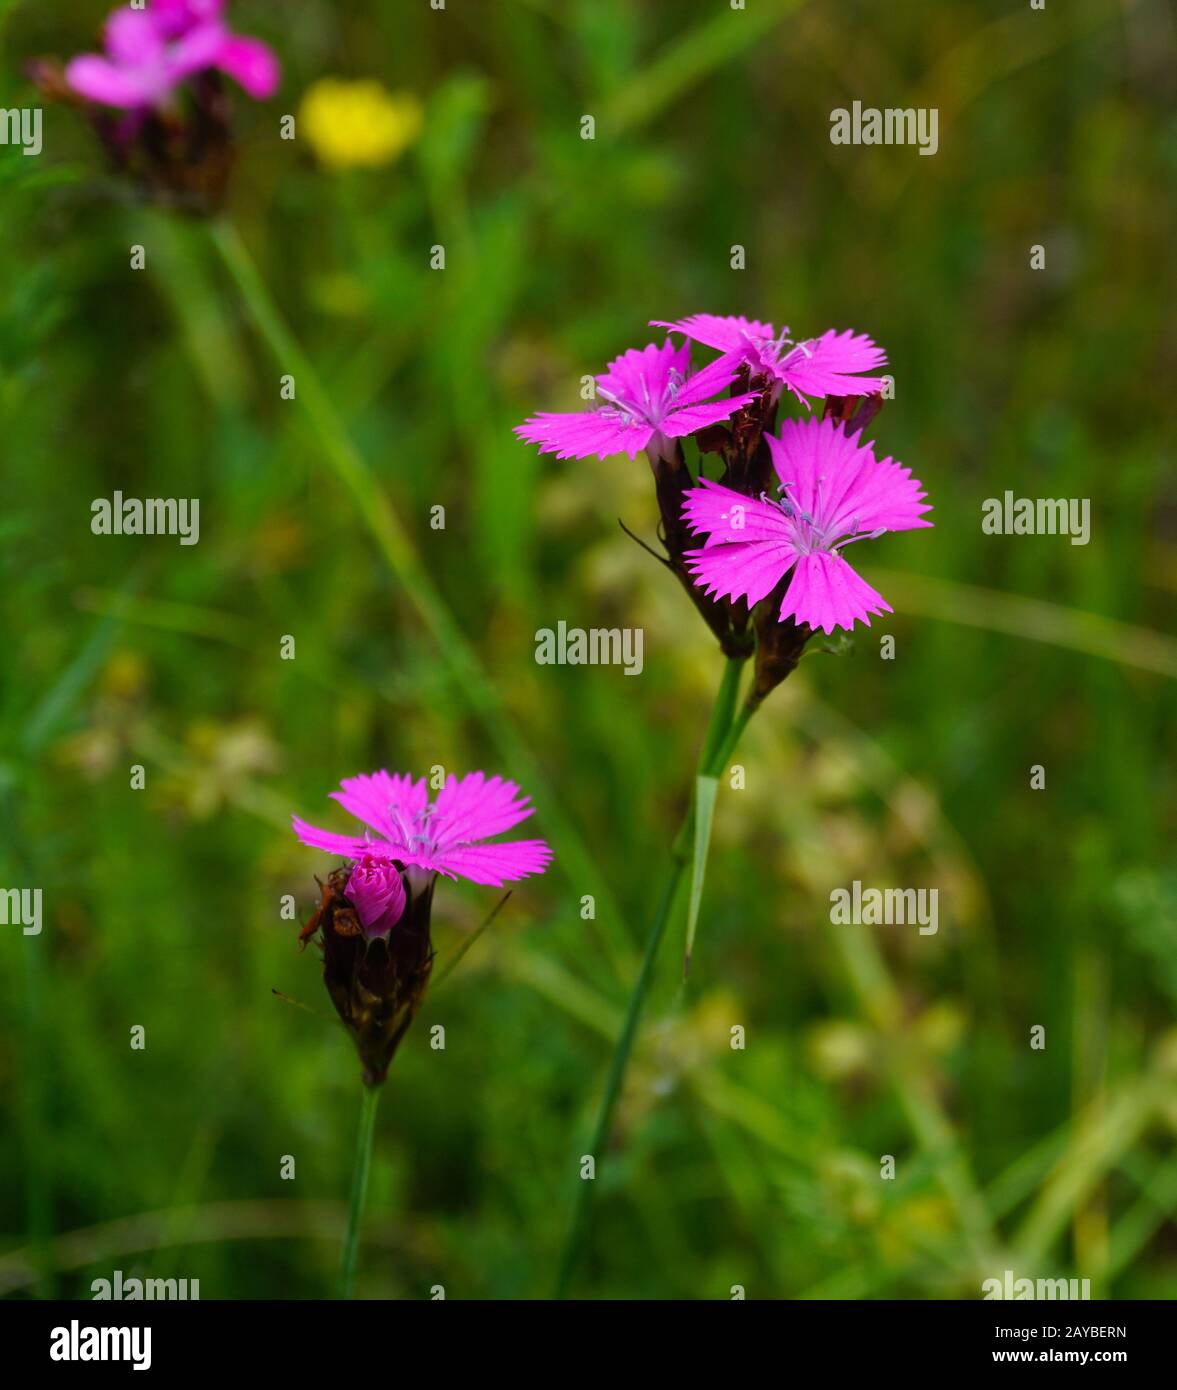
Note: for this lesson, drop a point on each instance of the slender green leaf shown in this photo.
(706, 790)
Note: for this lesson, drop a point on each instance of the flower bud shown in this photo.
(779, 645)
(377, 956)
(376, 890)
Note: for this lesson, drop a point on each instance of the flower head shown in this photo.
(647, 397)
(442, 837)
(149, 53)
(373, 921)
(357, 124)
(833, 491)
(822, 366)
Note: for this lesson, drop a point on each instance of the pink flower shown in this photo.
(834, 491)
(646, 398)
(817, 367)
(175, 17)
(150, 52)
(376, 890)
(444, 837)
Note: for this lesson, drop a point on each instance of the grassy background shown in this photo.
(1058, 907)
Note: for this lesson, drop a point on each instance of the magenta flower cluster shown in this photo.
(830, 489)
(149, 53)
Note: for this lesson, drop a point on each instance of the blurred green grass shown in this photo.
(1059, 908)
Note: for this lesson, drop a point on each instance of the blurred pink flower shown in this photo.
(175, 17)
(647, 397)
(834, 491)
(443, 837)
(149, 53)
(817, 367)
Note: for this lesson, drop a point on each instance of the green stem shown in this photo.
(728, 746)
(34, 1097)
(359, 1190)
(721, 716)
(396, 545)
(715, 742)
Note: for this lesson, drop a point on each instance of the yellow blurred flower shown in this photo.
(125, 674)
(224, 765)
(838, 1050)
(357, 124)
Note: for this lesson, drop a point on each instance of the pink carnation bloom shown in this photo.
(834, 491)
(817, 367)
(647, 397)
(376, 890)
(444, 837)
(150, 52)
